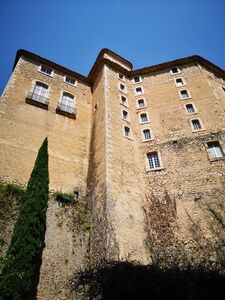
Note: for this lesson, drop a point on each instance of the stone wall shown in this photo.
(24, 127)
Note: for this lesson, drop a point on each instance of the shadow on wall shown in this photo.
(130, 280)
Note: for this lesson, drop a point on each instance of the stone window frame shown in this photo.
(43, 65)
(145, 104)
(137, 93)
(161, 164)
(183, 80)
(121, 90)
(127, 103)
(188, 92)
(128, 115)
(140, 79)
(123, 77)
(143, 136)
(222, 147)
(140, 121)
(130, 137)
(223, 88)
(192, 127)
(192, 113)
(69, 77)
(172, 73)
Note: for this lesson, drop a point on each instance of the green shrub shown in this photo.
(28, 235)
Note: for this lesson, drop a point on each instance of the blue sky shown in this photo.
(146, 32)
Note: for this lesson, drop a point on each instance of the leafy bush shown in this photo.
(28, 235)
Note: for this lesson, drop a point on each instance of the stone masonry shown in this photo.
(148, 145)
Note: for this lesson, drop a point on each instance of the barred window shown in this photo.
(215, 150)
(153, 160)
(70, 80)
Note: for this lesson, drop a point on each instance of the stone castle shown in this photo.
(148, 145)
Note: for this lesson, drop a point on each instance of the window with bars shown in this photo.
(190, 108)
(141, 103)
(215, 150)
(147, 134)
(153, 160)
(196, 124)
(143, 118)
(46, 70)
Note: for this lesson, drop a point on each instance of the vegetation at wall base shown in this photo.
(27, 241)
(133, 281)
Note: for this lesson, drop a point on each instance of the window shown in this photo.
(122, 87)
(46, 70)
(67, 103)
(179, 82)
(137, 79)
(143, 118)
(139, 91)
(174, 70)
(125, 115)
(196, 125)
(141, 103)
(223, 88)
(190, 108)
(40, 92)
(70, 80)
(147, 134)
(184, 94)
(123, 100)
(215, 150)
(127, 132)
(153, 160)
(121, 76)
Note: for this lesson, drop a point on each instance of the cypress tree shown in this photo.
(28, 235)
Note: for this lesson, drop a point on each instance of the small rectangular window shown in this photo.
(141, 103)
(223, 88)
(196, 124)
(147, 134)
(144, 118)
(122, 88)
(174, 70)
(137, 79)
(179, 82)
(125, 115)
(121, 76)
(215, 150)
(69, 80)
(127, 132)
(139, 90)
(153, 160)
(190, 108)
(46, 70)
(123, 100)
(184, 94)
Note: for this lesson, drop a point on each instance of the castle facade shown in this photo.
(147, 144)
